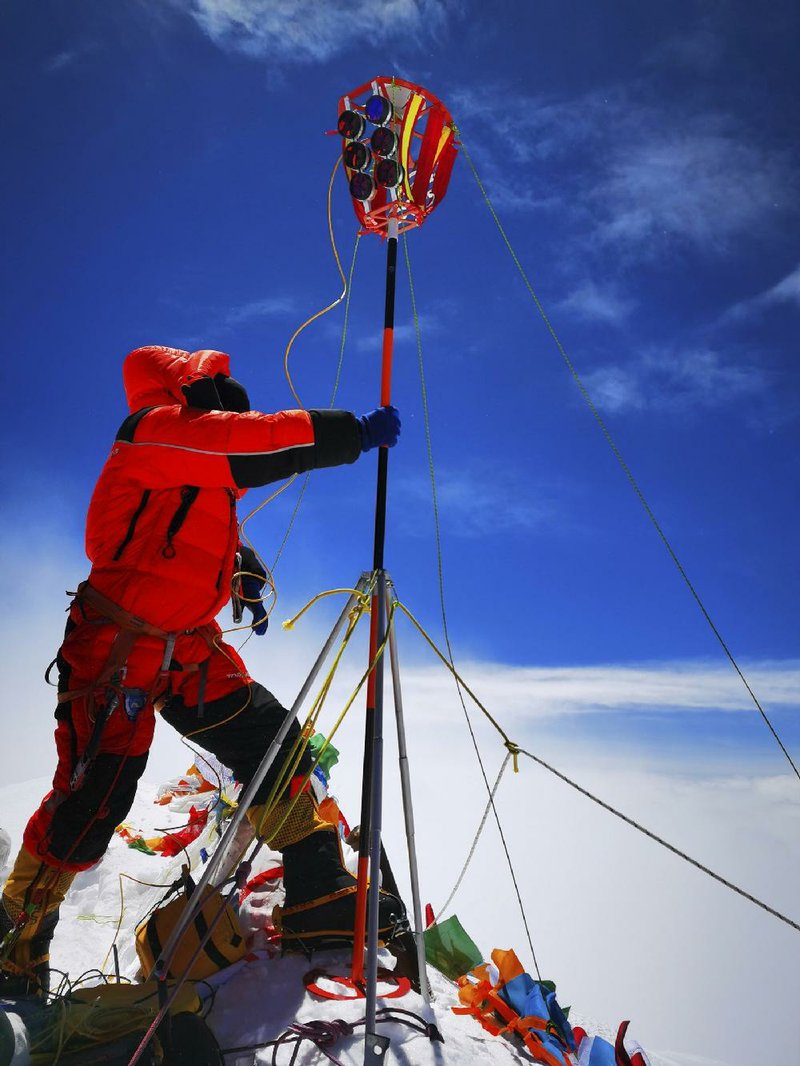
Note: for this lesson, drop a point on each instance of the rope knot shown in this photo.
(323, 1033)
(514, 751)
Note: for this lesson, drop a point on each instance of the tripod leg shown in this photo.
(247, 798)
(408, 811)
(374, 1046)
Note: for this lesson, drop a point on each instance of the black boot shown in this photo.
(319, 911)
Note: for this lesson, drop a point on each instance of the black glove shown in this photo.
(379, 428)
(252, 581)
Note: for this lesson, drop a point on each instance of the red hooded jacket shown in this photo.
(161, 531)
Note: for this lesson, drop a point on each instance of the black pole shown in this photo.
(367, 901)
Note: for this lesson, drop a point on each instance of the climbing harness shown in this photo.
(397, 173)
(130, 628)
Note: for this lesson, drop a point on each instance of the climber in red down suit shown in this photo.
(162, 537)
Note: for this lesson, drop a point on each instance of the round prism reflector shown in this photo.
(378, 109)
(356, 155)
(351, 124)
(389, 173)
(383, 141)
(362, 186)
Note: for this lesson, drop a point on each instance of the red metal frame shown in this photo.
(355, 989)
(427, 149)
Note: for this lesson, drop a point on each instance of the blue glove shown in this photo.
(253, 579)
(251, 599)
(379, 428)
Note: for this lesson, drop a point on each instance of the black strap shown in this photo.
(123, 544)
(210, 947)
(200, 925)
(128, 427)
(126, 433)
(189, 494)
(153, 940)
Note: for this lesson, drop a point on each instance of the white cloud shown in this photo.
(597, 303)
(701, 181)
(615, 388)
(529, 127)
(519, 694)
(402, 334)
(476, 504)
(785, 292)
(626, 171)
(516, 695)
(69, 57)
(691, 380)
(600, 897)
(307, 30)
(224, 320)
(700, 47)
(269, 307)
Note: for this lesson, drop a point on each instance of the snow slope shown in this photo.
(258, 999)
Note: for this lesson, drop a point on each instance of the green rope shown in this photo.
(290, 526)
(445, 628)
(621, 460)
(346, 319)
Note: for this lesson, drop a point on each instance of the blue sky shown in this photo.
(164, 181)
(168, 186)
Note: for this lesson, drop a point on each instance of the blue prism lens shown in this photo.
(378, 110)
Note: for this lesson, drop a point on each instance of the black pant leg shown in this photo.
(239, 728)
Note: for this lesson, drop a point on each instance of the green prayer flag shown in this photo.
(450, 949)
(330, 756)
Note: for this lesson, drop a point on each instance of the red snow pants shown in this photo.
(237, 719)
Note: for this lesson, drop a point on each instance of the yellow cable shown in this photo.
(360, 608)
(379, 652)
(366, 595)
(330, 306)
(507, 741)
(348, 288)
(148, 884)
(310, 724)
(224, 721)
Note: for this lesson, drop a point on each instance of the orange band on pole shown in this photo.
(386, 366)
(360, 931)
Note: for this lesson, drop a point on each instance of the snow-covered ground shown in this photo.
(262, 996)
